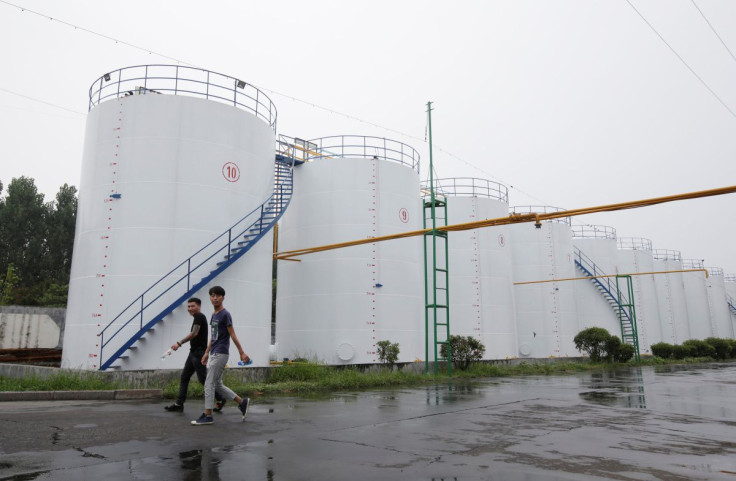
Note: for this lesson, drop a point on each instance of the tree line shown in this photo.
(36, 242)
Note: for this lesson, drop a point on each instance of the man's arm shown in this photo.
(187, 338)
(243, 356)
(206, 352)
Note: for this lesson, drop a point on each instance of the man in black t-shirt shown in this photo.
(198, 344)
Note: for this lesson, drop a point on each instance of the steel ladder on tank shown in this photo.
(622, 304)
(154, 304)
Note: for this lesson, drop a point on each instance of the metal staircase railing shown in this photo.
(731, 305)
(618, 301)
(161, 298)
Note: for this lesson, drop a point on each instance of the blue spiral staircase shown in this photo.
(619, 302)
(731, 305)
(120, 337)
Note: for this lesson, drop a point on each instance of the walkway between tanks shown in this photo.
(674, 423)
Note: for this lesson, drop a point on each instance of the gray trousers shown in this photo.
(215, 368)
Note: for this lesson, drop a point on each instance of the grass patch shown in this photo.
(304, 378)
(57, 382)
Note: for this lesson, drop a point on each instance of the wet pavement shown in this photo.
(667, 423)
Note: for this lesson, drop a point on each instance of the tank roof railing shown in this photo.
(693, 264)
(363, 146)
(469, 187)
(587, 231)
(729, 277)
(541, 209)
(667, 255)
(715, 271)
(180, 80)
(634, 243)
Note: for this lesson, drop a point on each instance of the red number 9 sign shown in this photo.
(403, 215)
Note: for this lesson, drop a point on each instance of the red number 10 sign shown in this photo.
(231, 172)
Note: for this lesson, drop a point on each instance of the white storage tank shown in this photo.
(173, 157)
(334, 306)
(696, 290)
(595, 255)
(718, 303)
(481, 274)
(546, 319)
(635, 257)
(671, 296)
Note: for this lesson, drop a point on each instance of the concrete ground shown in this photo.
(667, 423)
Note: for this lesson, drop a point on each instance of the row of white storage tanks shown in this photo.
(336, 305)
(174, 156)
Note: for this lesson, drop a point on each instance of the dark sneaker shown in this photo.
(243, 406)
(175, 408)
(219, 405)
(203, 419)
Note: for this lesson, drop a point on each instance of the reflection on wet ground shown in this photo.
(664, 422)
(617, 388)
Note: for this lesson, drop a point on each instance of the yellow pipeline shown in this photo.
(537, 218)
(611, 275)
(303, 149)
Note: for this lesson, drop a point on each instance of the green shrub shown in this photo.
(700, 348)
(388, 352)
(624, 353)
(593, 342)
(681, 351)
(612, 346)
(464, 350)
(663, 350)
(722, 347)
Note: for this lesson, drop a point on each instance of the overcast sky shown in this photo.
(569, 103)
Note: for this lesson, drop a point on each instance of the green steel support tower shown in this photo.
(437, 304)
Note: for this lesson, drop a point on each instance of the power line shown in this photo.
(42, 101)
(311, 104)
(681, 59)
(714, 30)
(92, 32)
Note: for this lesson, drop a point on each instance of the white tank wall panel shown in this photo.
(678, 300)
(330, 305)
(731, 288)
(698, 310)
(593, 307)
(546, 316)
(481, 285)
(663, 286)
(165, 156)
(720, 316)
(645, 295)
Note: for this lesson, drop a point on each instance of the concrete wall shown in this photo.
(31, 327)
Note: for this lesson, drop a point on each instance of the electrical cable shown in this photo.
(682, 60)
(42, 101)
(295, 99)
(77, 27)
(714, 30)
